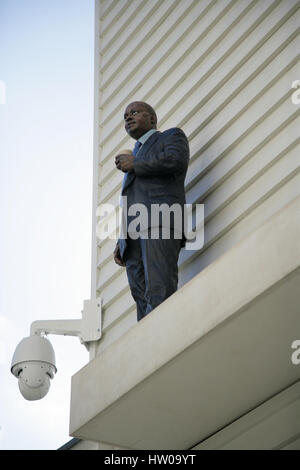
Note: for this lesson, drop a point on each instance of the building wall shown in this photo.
(222, 71)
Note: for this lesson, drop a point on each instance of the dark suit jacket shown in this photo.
(159, 172)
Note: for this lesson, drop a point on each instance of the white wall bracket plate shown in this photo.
(88, 328)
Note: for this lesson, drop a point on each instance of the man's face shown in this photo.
(138, 120)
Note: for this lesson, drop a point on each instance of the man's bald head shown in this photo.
(148, 108)
(139, 118)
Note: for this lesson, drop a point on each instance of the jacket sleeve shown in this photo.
(172, 159)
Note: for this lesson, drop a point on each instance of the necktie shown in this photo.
(137, 147)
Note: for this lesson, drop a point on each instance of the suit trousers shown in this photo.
(152, 269)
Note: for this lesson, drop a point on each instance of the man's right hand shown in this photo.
(117, 256)
(124, 162)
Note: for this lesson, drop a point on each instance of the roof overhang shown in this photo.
(216, 349)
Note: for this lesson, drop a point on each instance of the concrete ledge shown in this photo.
(273, 425)
(216, 349)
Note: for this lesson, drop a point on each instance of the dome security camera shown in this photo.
(33, 364)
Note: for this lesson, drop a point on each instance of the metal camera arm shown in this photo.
(88, 328)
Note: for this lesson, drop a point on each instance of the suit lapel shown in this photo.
(149, 142)
(129, 177)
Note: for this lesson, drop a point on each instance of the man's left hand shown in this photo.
(124, 162)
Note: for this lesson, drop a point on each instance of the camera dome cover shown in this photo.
(33, 348)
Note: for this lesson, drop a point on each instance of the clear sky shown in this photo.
(46, 130)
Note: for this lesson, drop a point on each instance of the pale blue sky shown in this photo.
(46, 130)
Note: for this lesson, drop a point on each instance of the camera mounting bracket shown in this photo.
(88, 328)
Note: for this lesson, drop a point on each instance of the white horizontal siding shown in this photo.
(222, 70)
